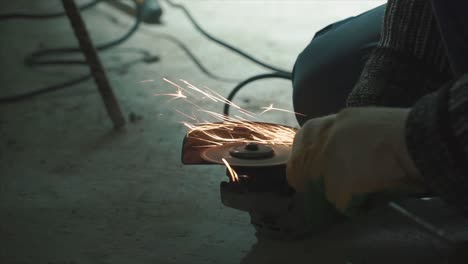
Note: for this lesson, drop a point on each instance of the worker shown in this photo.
(385, 96)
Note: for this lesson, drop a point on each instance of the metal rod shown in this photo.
(437, 232)
(96, 68)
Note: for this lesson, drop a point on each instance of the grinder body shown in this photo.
(275, 209)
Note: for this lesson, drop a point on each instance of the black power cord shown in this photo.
(45, 16)
(197, 61)
(278, 73)
(36, 58)
(48, 89)
(222, 43)
(236, 89)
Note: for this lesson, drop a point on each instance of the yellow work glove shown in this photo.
(355, 152)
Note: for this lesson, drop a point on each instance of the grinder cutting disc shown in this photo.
(248, 155)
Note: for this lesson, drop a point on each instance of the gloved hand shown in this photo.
(357, 151)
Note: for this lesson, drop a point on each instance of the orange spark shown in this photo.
(219, 129)
(232, 172)
(271, 108)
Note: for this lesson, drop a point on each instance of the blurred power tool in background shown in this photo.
(151, 10)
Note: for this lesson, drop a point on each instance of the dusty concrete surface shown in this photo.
(74, 191)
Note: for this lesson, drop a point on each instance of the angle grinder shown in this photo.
(275, 209)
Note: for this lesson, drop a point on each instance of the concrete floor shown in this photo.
(74, 191)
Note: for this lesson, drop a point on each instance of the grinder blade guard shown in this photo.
(275, 209)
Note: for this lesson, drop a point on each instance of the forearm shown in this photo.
(409, 60)
(437, 140)
(437, 127)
